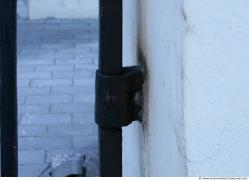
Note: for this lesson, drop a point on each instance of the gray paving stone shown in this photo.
(85, 55)
(92, 159)
(33, 90)
(36, 50)
(85, 142)
(33, 75)
(53, 68)
(72, 108)
(36, 21)
(21, 53)
(85, 67)
(82, 45)
(20, 42)
(43, 99)
(51, 82)
(65, 36)
(31, 157)
(25, 57)
(33, 170)
(37, 28)
(75, 51)
(96, 61)
(57, 60)
(29, 46)
(82, 98)
(44, 41)
(32, 130)
(88, 35)
(33, 108)
(53, 27)
(36, 62)
(88, 40)
(56, 46)
(87, 89)
(56, 56)
(85, 39)
(82, 30)
(45, 119)
(65, 58)
(67, 31)
(53, 152)
(75, 61)
(25, 68)
(52, 21)
(21, 99)
(73, 74)
(72, 130)
(83, 82)
(45, 34)
(22, 82)
(31, 37)
(36, 143)
(65, 21)
(83, 118)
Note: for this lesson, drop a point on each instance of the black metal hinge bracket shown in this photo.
(119, 97)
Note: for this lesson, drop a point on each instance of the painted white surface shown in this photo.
(216, 87)
(133, 134)
(161, 45)
(63, 9)
(133, 150)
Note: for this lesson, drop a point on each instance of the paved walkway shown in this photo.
(56, 64)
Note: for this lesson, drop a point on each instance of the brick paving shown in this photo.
(56, 64)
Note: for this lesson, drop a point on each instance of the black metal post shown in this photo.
(8, 92)
(110, 63)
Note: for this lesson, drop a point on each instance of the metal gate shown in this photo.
(118, 89)
(8, 93)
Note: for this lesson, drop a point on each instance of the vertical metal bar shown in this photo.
(110, 63)
(110, 144)
(8, 92)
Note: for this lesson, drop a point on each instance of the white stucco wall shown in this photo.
(196, 115)
(161, 46)
(216, 87)
(63, 9)
(133, 134)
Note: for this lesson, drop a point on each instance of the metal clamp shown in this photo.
(119, 98)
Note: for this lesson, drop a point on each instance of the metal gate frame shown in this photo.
(119, 97)
(122, 85)
(110, 63)
(8, 89)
